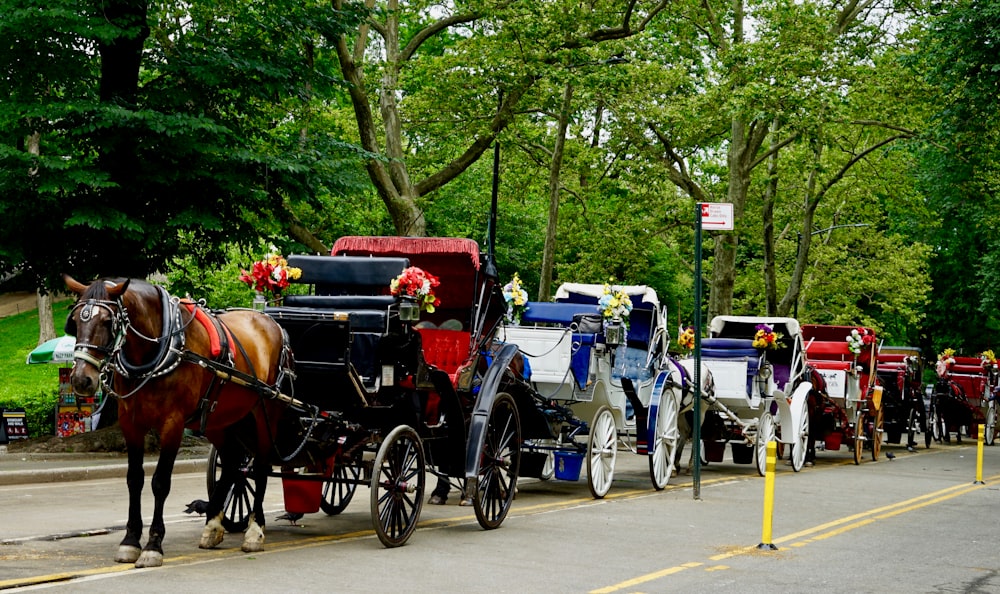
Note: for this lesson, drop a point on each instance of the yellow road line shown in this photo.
(821, 532)
(435, 523)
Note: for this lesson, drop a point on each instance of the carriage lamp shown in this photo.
(614, 332)
(409, 311)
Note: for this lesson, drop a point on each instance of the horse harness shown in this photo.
(172, 350)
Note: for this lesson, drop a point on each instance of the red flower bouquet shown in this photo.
(270, 275)
(418, 285)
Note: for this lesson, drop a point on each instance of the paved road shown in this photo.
(914, 524)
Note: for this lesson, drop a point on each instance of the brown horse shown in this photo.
(167, 367)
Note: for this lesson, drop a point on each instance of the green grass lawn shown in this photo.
(33, 387)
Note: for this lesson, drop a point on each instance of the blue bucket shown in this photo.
(568, 465)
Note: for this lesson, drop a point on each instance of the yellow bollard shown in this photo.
(772, 454)
(979, 455)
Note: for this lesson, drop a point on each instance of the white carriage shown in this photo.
(761, 392)
(611, 386)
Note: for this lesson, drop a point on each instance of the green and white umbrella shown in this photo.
(57, 350)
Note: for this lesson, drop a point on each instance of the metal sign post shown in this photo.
(716, 216)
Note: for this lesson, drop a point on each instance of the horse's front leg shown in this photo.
(152, 554)
(131, 546)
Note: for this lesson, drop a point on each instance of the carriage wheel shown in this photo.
(602, 447)
(860, 423)
(501, 458)
(663, 450)
(338, 491)
(397, 487)
(876, 433)
(928, 437)
(765, 434)
(991, 423)
(238, 504)
(801, 445)
(937, 428)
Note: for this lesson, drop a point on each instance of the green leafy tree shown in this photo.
(960, 174)
(160, 127)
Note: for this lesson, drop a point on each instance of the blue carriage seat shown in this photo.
(734, 348)
(565, 314)
(633, 363)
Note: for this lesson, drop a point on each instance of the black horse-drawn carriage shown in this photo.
(900, 372)
(389, 391)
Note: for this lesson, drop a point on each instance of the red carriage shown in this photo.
(900, 372)
(846, 403)
(963, 396)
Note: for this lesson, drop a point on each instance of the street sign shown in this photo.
(716, 216)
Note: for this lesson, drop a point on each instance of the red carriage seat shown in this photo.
(969, 373)
(828, 354)
(445, 349)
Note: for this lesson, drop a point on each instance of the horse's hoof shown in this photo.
(437, 500)
(253, 539)
(209, 541)
(149, 559)
(127, 554)
(212, 535)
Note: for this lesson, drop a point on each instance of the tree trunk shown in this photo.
(549, 253)
(46, 324)
(121, 58)
(789, 302)
(720, 300)
(770, 192)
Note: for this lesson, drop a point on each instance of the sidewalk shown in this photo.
(18, 468)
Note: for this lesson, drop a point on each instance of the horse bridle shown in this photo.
(119, 327)
(171, 343)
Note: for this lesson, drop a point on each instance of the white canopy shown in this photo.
(791, 325)
(597, 291)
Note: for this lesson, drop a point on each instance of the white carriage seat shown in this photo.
(734, 364)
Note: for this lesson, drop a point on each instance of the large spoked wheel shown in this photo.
(663, 450)
(991, 423)
(860, 428)
(501, 458)
(397, 486)
(602, 449)
(801, 445)
(765, 434)
(238, 504)
(876, 433)
(339, 491)
(936, 425)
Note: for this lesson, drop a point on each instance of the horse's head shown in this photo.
(97, 321)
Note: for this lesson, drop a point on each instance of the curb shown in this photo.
(85, 473)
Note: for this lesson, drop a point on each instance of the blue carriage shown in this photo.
(761, 387)
(601, 386)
